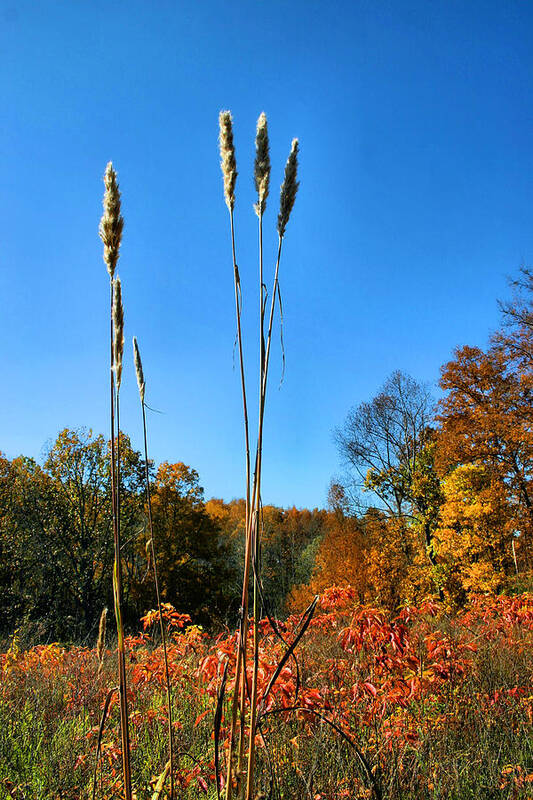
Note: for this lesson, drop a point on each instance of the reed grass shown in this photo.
(239, 776)
(111, 227)
(229, 173)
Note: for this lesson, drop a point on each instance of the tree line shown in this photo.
(435, 499)
(56, 541)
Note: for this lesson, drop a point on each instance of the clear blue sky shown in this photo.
(416, 201)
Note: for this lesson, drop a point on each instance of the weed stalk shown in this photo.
(111, 226)
(142, 389)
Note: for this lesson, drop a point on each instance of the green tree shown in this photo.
(380, 443)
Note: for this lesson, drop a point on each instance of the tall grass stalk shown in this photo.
(229, 172)
(253, 492)
(287, 198)
(111, 227)
(262, 180)
(142, 390)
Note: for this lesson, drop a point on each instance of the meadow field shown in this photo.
(417, 704)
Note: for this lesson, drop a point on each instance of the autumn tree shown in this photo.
(230, 519)
(486, 419)
(339, 560)
(387, 446)
(485, 444)
(396, 567)
(55, 518)
(517, 332)
(192, 555)
(380, 443)
(56, 540)
(289, 544)
(25, 567)
(426, 499)
(290, 541)
(474, 536)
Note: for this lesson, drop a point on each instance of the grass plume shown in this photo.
(229, 173)
(112, 222)
(139, 370)
(239, 771)
(262, 164)
(118, 331)
(289, 188)
(100, 644)
(227, 157)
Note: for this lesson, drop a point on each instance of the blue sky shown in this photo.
(416, 201)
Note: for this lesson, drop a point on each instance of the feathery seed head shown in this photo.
(289, 188)
(227, 157)
(118, 330)
(262, 164)
(100, 644)
(112, 223)
(139, 369)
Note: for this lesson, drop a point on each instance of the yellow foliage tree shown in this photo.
(474, 534)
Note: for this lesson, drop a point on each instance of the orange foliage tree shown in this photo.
(485, 452)
(486, 420)
(339, 560)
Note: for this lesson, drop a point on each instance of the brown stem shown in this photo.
(256, 514)
(158, 596)
(243, 628)
(241, 362)
(117, 579)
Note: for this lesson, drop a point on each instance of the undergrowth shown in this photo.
(436, 706)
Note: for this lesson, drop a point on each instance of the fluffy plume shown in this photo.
(262, 164)
(289, 188)
(112, 223)
(100, 644)
(139, 369)
(118, 330)
(227, 157)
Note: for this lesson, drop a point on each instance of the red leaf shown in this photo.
(202, 715)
